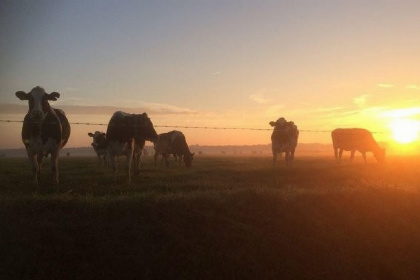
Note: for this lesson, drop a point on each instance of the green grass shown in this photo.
(224, 218)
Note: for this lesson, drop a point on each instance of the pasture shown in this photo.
(224, 218)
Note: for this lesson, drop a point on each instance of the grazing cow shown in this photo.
(127, 134)
(173, 142)
(355, 139)
(284, 139)
(99, 144)
(45, 130)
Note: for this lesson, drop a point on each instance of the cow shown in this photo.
(127, 134)
(284, 139)
(45, 131)
(355, 139)
(99, 144)
(173, 142)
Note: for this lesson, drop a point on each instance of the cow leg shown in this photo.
(274, 157)
(336, 154)
(352, 155)
(112, 158)
(364, 156)
(54, 167)
(287, 158)
(340, 154)
(165, 158)
(156, 157)
(180, 160)
(130, 154)
(137, 163)
(33, 159)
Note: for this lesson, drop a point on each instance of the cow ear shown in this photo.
(273, 123)
(53, 96)
(90, 134)
(22, 95)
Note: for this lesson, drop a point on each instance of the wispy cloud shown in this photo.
(361, 100)
(331, 109)
(259, 98)
(386, 86)
(150, 108)
(413, 86)
(402, 112)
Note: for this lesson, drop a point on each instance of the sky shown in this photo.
(225, 64)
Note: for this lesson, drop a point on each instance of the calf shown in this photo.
(99, 144)
(127, 134)
(355, 139)
(45, 131)
(173, 142)
(284, 139)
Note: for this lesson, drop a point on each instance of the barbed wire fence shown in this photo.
(199, 127)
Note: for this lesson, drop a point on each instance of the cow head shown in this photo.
(188, 157)
(99, 140)
(279, 123)
(38, 102)
(143, 128)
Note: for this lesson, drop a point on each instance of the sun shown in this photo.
(405, 131)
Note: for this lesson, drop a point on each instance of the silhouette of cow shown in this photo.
(45, 131)
(355, 139)
(174, 143)
(127, 134)
(284, 139)
(99, 144)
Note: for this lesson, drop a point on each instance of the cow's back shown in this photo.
(352, 139)
(120, 127)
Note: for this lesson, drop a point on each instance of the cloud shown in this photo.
(360, 101)
(413, 86)
(150, 108)
(332, 109)
(385, 86)
(259, 98)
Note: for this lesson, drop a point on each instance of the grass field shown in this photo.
(224, 218)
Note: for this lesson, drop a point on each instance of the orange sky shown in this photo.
(321, 64)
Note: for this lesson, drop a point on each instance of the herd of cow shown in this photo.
(46, 130)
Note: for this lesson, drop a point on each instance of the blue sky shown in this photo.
(322, 64)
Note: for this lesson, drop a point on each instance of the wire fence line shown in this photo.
(198, 127)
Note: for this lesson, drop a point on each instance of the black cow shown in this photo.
(127, 134)
(355, 139)
(99, 144)
(284, 139)
(45, 130)
(173, 142)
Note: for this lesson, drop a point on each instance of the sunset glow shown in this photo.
(405, 131)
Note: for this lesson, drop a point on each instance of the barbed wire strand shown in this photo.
(197, 127)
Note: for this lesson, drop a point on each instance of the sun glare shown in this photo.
(405, 131)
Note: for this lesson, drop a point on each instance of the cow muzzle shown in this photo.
(37, 116)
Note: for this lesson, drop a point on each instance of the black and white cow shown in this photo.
(45, 130)
(127, 134)
(174, 143)
(284, 139)
(99, 144)
(355, 139)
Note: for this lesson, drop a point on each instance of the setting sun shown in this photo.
(405, 131)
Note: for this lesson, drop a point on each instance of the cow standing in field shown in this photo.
(284, 139)
(45, 131)
(127, 134)
(173, 142)
(99, 144)
(355, 139)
